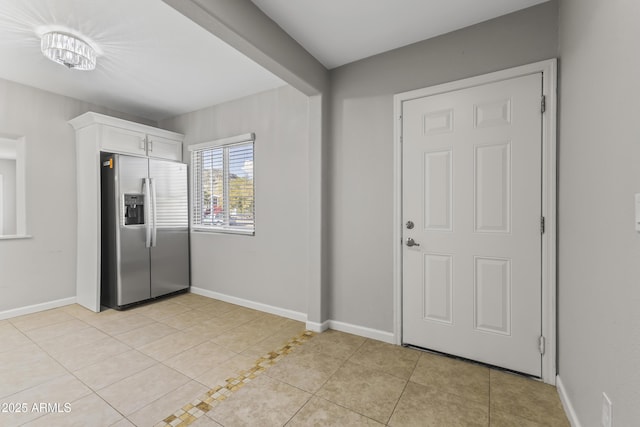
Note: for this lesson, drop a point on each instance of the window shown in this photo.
(12, 188)
(222, 185)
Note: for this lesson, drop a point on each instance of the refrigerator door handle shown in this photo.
(154, 232)
(147, 225)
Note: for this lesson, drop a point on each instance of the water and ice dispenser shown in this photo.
(133, 209)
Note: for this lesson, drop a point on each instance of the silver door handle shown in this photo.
(411, 242)
(147, 225)
(154, 230)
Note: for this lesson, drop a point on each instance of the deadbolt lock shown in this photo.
(410, 225)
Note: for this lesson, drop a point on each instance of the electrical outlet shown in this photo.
(607, 411)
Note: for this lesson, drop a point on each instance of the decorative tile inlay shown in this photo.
(190, 412)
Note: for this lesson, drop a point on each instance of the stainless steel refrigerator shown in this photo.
(144, 229)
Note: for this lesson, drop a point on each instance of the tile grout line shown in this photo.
(190, 412)
(299, 409)
(48, 355)
(89, 324)
(69, 372)
(156, 362)
(315, 393)
(406, 384)
(93, 391)
(489, 404)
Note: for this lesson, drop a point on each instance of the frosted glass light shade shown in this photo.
(68, 50)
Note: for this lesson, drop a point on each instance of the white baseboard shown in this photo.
(362, 331)
(318, 327)
(21, 311)
(566, 403)
(289, 314)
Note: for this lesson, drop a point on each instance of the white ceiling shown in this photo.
(337, 32)
(155, 63)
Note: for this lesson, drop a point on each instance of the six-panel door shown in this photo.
(472, 187)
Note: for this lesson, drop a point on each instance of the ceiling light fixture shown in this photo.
(68, 50)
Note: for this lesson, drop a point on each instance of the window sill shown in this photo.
(222, 231)
(16, 237)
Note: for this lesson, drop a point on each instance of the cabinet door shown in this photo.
(117, 140)
(164, 148)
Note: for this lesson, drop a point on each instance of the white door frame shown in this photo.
(548, 69)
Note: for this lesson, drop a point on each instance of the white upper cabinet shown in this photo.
(122, 141)
(164, 148)
(125, 137)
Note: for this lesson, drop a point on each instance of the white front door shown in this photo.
(472, 194)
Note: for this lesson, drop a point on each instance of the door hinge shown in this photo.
(541, 225)
(541, 344)
(543, 104)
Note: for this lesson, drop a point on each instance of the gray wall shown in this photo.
(8, 172)
(361, 153)
(42, 269)
(599, 166)
(243, 26)
(272, 266)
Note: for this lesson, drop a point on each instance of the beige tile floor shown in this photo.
(139, 366)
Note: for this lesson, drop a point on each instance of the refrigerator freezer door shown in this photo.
(170, 250)
(132, 253)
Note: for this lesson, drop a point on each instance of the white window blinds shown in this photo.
(223, 185)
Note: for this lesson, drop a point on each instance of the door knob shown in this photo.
(411, 242)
